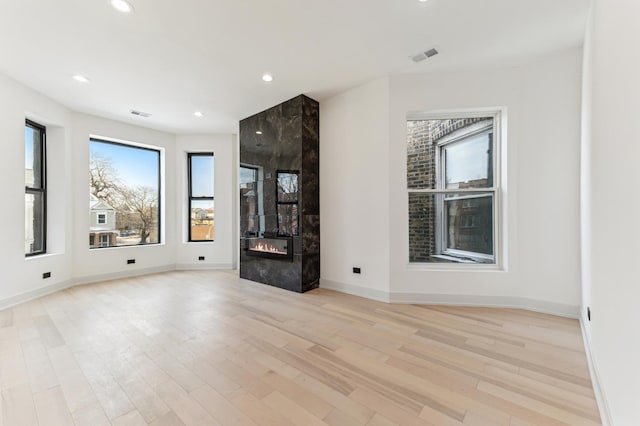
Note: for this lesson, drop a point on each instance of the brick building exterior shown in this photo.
(422, 142)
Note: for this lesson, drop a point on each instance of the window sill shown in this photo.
(455, 267)
(42, 256)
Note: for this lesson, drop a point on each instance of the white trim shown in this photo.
(356, 290)
(598, 390)
(495, 124)
(202, 266)
(34, 294)
(90, 279)
(535, 305)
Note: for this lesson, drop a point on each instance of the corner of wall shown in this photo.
(601, 400)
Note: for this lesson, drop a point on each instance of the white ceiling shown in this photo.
(172, 57)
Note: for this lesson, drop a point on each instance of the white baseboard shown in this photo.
(34, 294)
(368, 293)
(202, 266)
(560, 309)
(90, 279)
(603, 405)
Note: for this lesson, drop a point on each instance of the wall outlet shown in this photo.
(46, 275)
(200, 257)
(356, 270)
(131, 261)
(589, 313)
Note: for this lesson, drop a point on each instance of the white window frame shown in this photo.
(464, 257)
(102, 241)
(104, 219)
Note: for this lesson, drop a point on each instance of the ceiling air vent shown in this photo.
(140, 113)
(424, 55)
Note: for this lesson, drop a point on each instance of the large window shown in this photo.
(451, 179)
(124, 205)
(201, 197)
(35, 187)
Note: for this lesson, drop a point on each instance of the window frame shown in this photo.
(191, 198)
(43, 184)
(101, 215)
(259, 207)
(461, 257)
(287, 203)
(135, 145)
(101, 243)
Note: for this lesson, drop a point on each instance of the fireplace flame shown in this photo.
(267, 248)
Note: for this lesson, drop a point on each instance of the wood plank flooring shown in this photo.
(205, 348)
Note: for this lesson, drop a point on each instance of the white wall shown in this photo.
(611, 237)
(68, 257)
(91, 265)
(218, 254)
(364, 173)
(22, 278)
(541, 184)
(354, 190)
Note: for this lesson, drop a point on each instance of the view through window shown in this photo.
(201, 197)
(452, 191)
(124, 185)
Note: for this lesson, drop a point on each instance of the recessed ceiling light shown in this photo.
(258, 132)
(198, 114)
(267, 77)
(422, 1)
(122, 6)
(80, 78)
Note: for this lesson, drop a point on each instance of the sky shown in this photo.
(202, 182)
(28, 151)
(134, 166)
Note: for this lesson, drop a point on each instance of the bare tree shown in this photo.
(104, 181)
(137, 208)
(143, 202)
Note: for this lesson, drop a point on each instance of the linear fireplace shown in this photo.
(271, 248)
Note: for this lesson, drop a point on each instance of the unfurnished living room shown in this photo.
(287, 212)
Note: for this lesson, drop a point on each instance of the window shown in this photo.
(35, 186)
(250, 188)
(287, 203)
(124, 185)
(201, 197)
(451, 169)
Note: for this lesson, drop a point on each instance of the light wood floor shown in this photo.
(200, 348)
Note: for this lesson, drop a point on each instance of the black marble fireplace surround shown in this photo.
(279, 196)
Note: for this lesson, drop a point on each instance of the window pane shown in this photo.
(202, 176)
(287, 220)
(124, 182)
(33, 157)
(422, 227)
(248, 175)
(287, 187)
(34, 222)
(421, 160)
(469, 223)
(468, 162)
(202, 220)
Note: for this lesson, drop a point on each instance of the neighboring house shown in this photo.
(102, 223)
